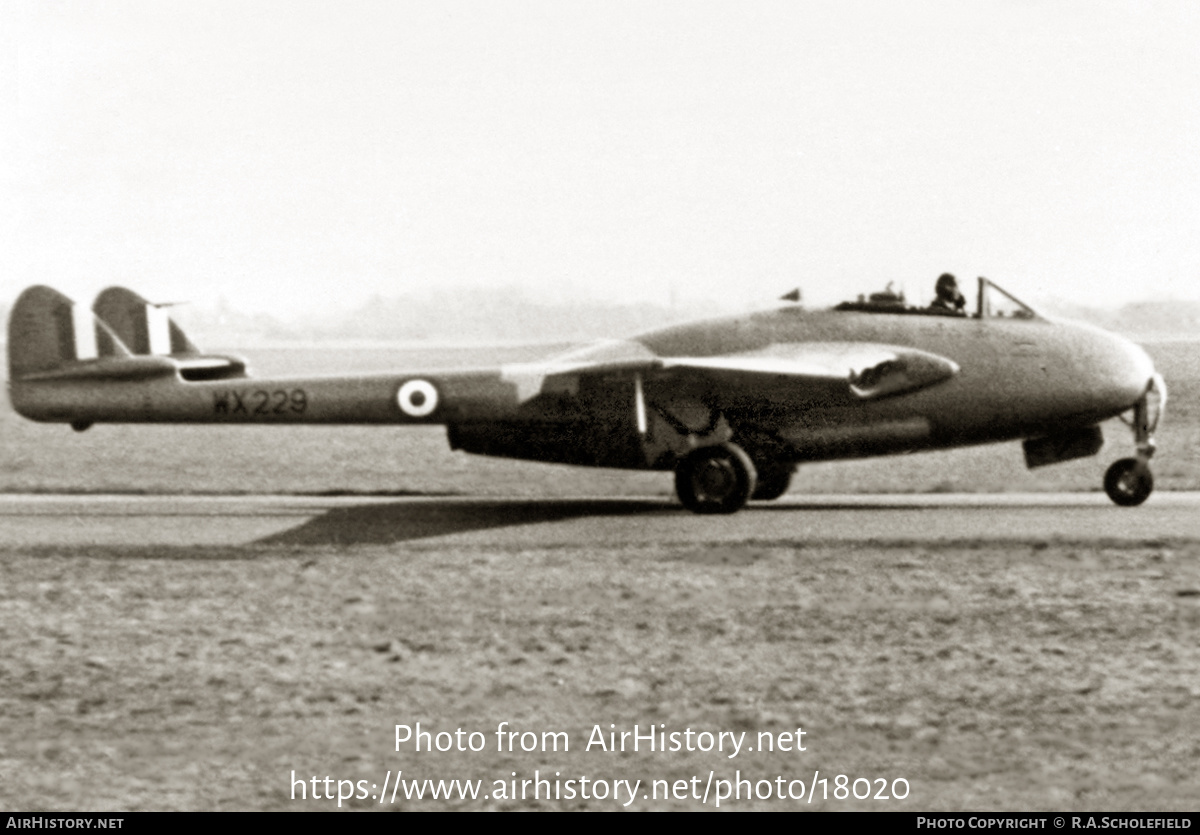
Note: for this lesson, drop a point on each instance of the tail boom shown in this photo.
(97, 397)
(126, 361)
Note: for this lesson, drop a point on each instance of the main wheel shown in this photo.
(715, 479)
(1128, 482)
(773, 481)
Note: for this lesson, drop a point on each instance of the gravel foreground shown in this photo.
(1038, 676)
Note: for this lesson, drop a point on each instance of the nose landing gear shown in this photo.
(1129, 481)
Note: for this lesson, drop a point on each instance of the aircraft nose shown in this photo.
(1130, 371)
(1109, 374)
(1142, 367)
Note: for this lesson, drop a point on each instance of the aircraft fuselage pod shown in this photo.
(731, 405)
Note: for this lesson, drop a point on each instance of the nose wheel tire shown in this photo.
(1129, 482)
(715, 479)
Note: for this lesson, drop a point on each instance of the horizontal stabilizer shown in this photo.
(108, 369)
(147, 330)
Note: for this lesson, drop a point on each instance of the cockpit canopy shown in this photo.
(994, 302)
(997, 303)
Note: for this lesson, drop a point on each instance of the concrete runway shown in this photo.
(185, 520)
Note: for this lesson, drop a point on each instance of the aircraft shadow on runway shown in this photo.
(984, 502)
(383, 524)
(404, 521)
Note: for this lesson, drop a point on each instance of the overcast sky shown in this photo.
(299, 156)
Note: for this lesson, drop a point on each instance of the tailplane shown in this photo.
(66, 363)
(144, 327)
(147, 330)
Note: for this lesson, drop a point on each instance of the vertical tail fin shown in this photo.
(144, 327)
(148, 331)
(47, 331)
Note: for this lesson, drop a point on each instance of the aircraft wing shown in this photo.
(868, 371)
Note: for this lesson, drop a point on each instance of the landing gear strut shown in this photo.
(715, 479)
(1129, 481)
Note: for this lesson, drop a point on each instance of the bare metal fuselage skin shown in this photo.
(1014, 378)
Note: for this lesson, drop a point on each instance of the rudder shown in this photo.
(144, 327)
(47, 331)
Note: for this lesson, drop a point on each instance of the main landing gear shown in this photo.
(1129, 481)
(715, 479)
(721, 478)
(773, 481)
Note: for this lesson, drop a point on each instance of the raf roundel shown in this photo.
(417, 398)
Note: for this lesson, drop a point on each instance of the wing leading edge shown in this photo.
(868, 371)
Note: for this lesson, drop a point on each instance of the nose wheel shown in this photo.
(1129, 481)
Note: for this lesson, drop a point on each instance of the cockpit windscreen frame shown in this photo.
(997, 303)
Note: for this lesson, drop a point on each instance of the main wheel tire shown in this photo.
(715, 479)
(1128, 482)
(773, 481)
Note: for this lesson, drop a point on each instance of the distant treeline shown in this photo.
(1138, 320)
(495, 315)
(484, 315)
(466, 316)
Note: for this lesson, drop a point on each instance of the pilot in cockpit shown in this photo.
(949, 299)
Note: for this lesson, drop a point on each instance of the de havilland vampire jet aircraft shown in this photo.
(730, 405)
